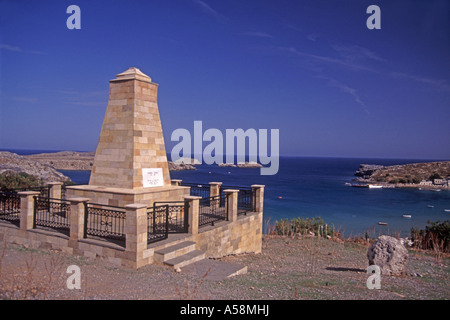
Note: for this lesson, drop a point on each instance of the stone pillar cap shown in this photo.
(132, 73)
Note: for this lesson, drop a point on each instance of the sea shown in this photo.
(311, 187)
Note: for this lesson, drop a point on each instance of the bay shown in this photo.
(315, 187)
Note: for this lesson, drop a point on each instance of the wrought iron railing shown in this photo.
(104, 222)
(177, 216)
(212, 210)
(157, 223)
(198, 189)
(166, 217)
(246, 198)
(51, 213)
(10, 207)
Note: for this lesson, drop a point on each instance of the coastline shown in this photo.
(422, 175)
(405, 185)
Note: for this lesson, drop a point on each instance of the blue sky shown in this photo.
(309, 68)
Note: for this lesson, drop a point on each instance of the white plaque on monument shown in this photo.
(152, 177)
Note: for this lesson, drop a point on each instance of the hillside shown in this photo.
(14, 163)
(72, 160)
(412, 173)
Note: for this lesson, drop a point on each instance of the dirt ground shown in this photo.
(287, 269)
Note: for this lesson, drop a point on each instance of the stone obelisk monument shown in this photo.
(131, 138)
(130, 164)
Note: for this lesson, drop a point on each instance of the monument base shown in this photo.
(120, 197)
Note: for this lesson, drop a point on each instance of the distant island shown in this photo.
(433, 175)
(241, 165)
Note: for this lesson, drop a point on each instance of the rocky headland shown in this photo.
(11, 162)
(407, 175)
(65, 160)
(45, 166)
(71, 160)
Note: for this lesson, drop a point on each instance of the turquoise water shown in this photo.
(313, 187)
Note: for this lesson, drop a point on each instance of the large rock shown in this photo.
(389, 254)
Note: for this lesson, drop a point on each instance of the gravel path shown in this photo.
(286, 269)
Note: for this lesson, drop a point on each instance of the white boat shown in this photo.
(430, 206)
(447, 210)
(406, 216)
(375, 186)
(382, 223)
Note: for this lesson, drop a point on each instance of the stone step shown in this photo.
(186, 259)
(171, 240)
(174, 251)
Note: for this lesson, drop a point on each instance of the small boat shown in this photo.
(360, 185)
(382, 223)
(406, 216)
(375, 186)
(438, 190)
(430, 206)
(447, 210)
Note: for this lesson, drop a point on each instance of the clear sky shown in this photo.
(310, 68)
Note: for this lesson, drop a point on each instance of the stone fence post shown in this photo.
(55, 190)
(214, 189)
(175, 182)
(77, 218)
(27, 209)
(231, 203)
(136, 234)
(258, 197)
(193, 203)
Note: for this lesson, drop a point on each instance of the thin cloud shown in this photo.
(351, 58)
(327, 60)
(313, 37)
(433, 82)
(10, 48)
(24, 99)
(206, 8)
(292, 27)
(356, 53)
(345, 89)
(256, 34)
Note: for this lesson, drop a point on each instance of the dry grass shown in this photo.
(289, 267)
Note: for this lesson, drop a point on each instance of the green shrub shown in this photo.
(12, 180)
(302, 226)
